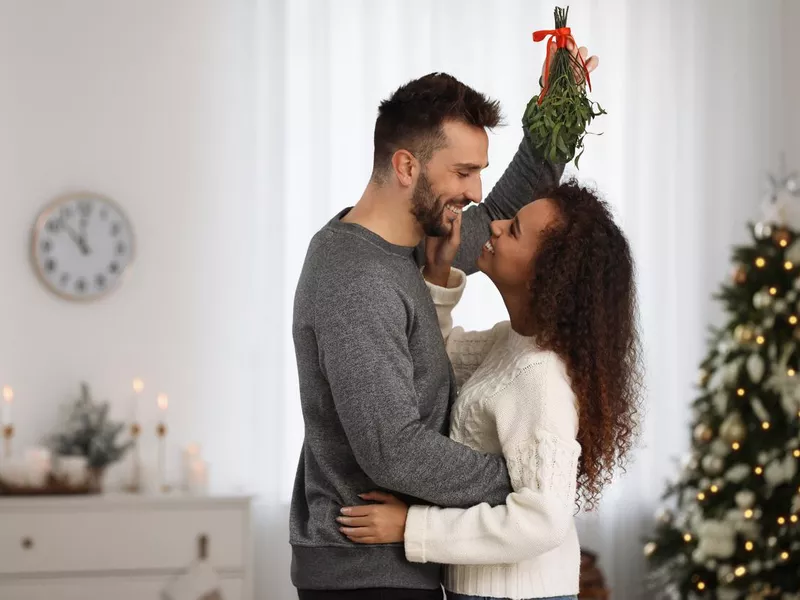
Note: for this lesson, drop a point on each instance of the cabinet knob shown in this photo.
(27, 543)
(202, 546)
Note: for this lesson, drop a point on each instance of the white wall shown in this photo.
(150, 103)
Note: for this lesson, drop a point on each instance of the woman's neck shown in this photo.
(518, 307)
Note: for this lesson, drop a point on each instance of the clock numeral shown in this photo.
(113, 267)
(121, 248)
(100, 280)
(53, 225)
(104, 213)
(85, 208)
(115, 229)
(64, 279)
(66, 212)
(46, 246)
(80, 285)
(50, 265)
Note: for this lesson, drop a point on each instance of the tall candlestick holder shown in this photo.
(161, 432)
(8, 436)
(135, 484)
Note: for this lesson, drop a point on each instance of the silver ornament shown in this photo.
(712, 465)
(781, 306)
(755, 368)
(745, 499)
(738, 473)
(664, 516)
(761, 299)
(762, 230)
(720, 448)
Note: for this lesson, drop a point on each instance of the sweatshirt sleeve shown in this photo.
(525, 178)
(363, 345)
(542, 456)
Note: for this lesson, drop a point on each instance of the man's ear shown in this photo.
(404, 165)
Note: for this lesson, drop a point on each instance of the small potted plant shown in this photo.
(88, 432)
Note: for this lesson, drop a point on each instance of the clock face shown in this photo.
(82, 245)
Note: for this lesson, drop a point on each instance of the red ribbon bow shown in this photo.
(561, 36)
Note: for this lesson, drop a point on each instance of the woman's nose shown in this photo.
(498, 227)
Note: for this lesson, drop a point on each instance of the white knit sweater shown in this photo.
(514, 399)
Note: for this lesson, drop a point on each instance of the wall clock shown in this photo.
(82, 246)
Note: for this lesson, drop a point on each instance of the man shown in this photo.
(375, 382)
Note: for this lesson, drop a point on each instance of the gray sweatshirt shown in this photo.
(376, 388)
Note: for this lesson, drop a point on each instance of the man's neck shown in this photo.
(384, 213)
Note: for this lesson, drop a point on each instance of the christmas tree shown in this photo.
(729, 528)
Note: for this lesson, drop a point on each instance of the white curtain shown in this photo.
(692, 91)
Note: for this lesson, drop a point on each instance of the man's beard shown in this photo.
(425, 207)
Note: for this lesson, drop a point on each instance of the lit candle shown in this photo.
(198, 477)
(8, 398)
(163, 404)
(138, 386)
(190, 454)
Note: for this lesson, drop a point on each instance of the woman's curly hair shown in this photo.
(584, 308)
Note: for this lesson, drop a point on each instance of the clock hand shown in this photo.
(79, 240)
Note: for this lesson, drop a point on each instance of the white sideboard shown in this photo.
(120, 547)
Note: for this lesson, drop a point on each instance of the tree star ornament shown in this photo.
(779, 206)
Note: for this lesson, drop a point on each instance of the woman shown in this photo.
(555, 389)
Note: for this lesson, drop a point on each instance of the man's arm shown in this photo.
(363, 345)
(523, 180)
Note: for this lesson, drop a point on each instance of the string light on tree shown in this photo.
(761, 262)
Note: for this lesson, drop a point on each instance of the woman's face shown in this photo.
(508, 257)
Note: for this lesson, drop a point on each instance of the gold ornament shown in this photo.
(733, 429)
(740, 275)
(702, 377)
(744, 334)
(781, 237)
(703, 433)
(649, 549)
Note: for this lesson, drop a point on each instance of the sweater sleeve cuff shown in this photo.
(416, 530)
(450, 295)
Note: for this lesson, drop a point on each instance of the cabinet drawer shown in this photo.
(119, 540)
(117, 588)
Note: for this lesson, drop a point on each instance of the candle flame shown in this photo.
(8, 393)
(138, 385)
(163, 401)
